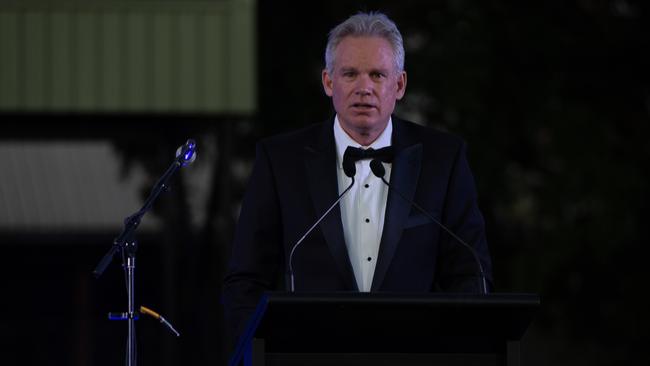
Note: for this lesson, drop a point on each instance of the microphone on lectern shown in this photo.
(350, 170)
(379, 171)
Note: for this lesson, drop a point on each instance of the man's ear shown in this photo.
(327, 82)
(401, 85)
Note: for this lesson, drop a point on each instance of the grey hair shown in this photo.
(372, 24)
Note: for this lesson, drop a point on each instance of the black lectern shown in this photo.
(386, 329)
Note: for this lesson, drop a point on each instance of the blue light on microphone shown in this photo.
(186, 154)
(191, 145)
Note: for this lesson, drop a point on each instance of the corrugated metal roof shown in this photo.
(64, 185)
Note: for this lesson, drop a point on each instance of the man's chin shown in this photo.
(364, 121)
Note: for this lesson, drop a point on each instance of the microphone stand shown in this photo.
(128, 245)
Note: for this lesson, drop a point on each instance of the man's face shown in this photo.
(364, 86)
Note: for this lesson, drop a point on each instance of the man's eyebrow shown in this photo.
(379, 70)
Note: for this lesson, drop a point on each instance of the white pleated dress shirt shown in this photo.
(363, 207)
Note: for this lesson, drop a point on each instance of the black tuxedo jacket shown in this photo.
(294, 181)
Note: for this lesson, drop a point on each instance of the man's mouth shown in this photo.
(363, 105)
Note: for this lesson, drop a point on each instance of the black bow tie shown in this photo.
(355, 154)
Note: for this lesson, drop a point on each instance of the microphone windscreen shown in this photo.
(349, 167)
(377, 168)
(188, 152)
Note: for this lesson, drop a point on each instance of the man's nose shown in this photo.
(364, 85)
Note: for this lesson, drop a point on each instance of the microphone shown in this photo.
(378, 170)
(350, 170)
(186, 154)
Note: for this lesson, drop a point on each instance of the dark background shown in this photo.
(553, 98)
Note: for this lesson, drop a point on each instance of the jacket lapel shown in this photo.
(404, 176)
(320, 163)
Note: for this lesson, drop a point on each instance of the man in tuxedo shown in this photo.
(375, 240)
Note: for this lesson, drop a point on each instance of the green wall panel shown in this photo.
(9, 59)
(61, 63)
(149, 56)
(111, 58)
(34, 53)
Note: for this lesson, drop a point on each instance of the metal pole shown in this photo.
(130, 278)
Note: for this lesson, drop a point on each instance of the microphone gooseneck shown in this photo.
(379, 171)
(350, 170)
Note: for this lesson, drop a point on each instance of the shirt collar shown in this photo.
(343, 140)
